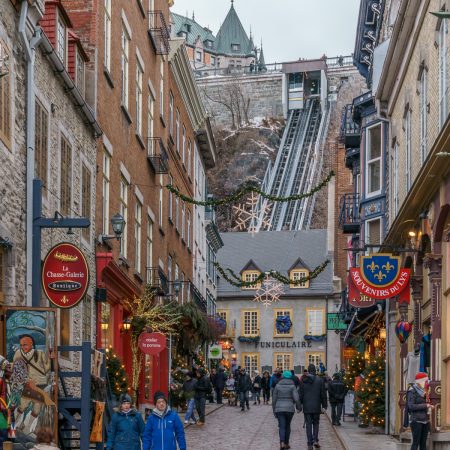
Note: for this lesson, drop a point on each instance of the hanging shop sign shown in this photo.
(152, 343)
(335, 322)
(215, 352)
(380, 277)
(65, 275)
(349, 352)
(356, 299)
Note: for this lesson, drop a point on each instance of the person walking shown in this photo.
(419, 406)
(284, 401)
(219, 386)
(231, 390)
(188, 389)
(164, 428)
(126, 427)
(313, 399)
(275, 378)
(244, 385)
(256, 387)
(202, 389)
(265, 385)
(336, 396)
(295, 379)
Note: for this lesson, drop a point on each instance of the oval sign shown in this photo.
(152, 343)
(65, 275)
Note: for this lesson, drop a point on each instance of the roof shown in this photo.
(182, 23)
(276, 250)
(232, 32)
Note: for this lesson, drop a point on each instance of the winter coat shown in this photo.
(417, 405)
(257, 384)
(125, 431)
(163, 431)
(220, 379)
(244, 383)
(285, 397)
(189, 388)
(274, 379)
(265, 383)
(313, 396)
(336, 391)
(202, 387)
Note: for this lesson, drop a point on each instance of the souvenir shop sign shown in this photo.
(356, 299)
(152, 343)
(65, 275)
(380, 277)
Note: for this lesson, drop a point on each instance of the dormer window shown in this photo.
(198, 56)
(79, 73)
(61, 42)
(248, 276)
(296, 275)
(208, 43)
(235, 47)
(188, 27)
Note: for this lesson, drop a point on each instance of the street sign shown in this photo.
(215, 352)
(334, 322)
(65, 275)
(152, 343)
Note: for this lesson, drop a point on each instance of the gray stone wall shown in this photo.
(260, 94)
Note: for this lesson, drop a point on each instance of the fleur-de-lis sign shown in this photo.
(380, 275)
(388, 267)
(373, 267)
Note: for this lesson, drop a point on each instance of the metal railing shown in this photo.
(157, 155)
(349, 217)
(159, 32)
(156, 280)
(350, 130)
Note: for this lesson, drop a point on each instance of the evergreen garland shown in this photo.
(117, 376)
(247, 189)
(230, 276)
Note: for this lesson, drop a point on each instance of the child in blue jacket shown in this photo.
(164, 428)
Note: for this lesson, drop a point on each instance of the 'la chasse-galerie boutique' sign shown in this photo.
(65, 275)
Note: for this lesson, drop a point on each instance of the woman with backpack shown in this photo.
(256, 387)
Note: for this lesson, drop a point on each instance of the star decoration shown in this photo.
(251, 216)
(269, 292)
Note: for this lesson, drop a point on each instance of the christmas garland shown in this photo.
(255, 339)
(235, 280)
(246, 190)
(283, 324)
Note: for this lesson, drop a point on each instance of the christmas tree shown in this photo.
(355, 368)
(117, 376)
(371, 394)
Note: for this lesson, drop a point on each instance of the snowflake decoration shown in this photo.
(269, 292)
(251, 217)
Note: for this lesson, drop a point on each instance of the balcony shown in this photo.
(349, 217)
(157, 155)
(159, 32)
(156, 280)
(198, 299)
(350, 130)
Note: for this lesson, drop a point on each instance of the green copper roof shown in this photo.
(232, 34)
(192, 29)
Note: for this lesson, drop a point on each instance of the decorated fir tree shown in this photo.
(371, 394)
(117, 376)
(356, 367)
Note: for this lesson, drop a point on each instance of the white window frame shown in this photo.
(138, 235)
(183, 147)
(443, 78)
(80, 72)
(107, 35)
(150, 123)
(61, 39)
(149, 243)
(183, 219)
(139, 90)
(189, 157)
(125, 54)
(424, 114)
(161, 90)
(171, 106)
(366, 230)
(106, 183)
(408, 150)
(171, 199)
(188, 228)
(178, 130)
(123, 197)
(395, 179)
(373, 161)
(315, 327)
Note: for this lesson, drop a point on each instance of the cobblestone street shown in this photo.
(229, 429)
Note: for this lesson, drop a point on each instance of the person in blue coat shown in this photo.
(126, 427)
(164, 428)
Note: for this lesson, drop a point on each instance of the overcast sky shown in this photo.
(290, 30)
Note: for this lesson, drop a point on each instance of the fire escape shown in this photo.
(157, 155)
(159, 32)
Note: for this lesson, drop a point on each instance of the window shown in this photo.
(61, 40)
(248, 276)
(171, 113)
(315, 358)
(223, 314)
(161, 90)
(87, 319)
(86, 199)
(250, 323)
(408, 161)
(178, 131)
(124, 212)
(107, 32)
(182, 278)
(213, 60)
(41, 142)
(295, 80)
(443, 88)
(79, 74)
(423, 114)
(149, 246)
(65, 194)
(177, 213)
(150, 104)
(297, 275)
(315, 324)
(189, 157)
(169, 268)
(373, 231)
(395, 186)
(138, 235)
(183, 149)
(105, 187)
(5, 97)
(139, 76)
(161, 199)
(188, 229)
(183, 220)
(124, 65)
(283, 360)
(235, 47)
(283, 313)
(170, 199)
(177, 274)
(251, 362)
(373, 160)
(198, 56)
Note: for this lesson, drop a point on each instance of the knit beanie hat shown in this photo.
(159, 395)
(421, 376)
(287, 374)
(312, 369)
(125, 398)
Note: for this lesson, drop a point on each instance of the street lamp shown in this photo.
(126, 325)
(118, 225)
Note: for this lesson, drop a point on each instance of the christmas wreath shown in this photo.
(283, 324)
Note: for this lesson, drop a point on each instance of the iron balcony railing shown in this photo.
(156, 280)
(350, 130)
(198, 299)
(349, 217)
(159, 32)
(157, 155)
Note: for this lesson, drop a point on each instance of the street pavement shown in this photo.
(228, 428)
